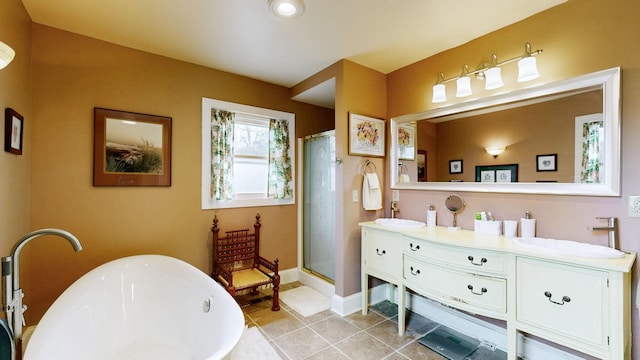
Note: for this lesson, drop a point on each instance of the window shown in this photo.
(247, 156)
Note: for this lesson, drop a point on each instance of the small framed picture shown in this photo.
(548, 162)
(13, 130)
(366, 136)
(455, 166)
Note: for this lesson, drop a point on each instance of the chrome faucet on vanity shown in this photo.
(12, 301)
(394, 209)
(612, 228)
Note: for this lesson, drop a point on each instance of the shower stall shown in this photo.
(318, 205)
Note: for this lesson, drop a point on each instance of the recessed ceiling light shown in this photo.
(286, 8)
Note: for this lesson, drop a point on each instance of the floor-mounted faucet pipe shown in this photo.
(12, 302)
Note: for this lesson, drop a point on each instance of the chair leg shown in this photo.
(276, 293)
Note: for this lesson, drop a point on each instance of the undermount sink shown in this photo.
(568, 247)
(400, 223)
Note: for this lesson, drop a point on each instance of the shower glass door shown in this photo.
(319, 186)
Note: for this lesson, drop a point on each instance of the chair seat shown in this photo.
(247, 278)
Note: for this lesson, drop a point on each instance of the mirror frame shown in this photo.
(609, 80)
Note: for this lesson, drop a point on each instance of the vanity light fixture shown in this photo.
(490, 72)
(6, 55)
(439, 94)
(463, 84)
(494, 150)
(286, 9)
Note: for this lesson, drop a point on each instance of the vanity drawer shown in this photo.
(479, 291)
(566, 300)
(382, 254)
(466, 258)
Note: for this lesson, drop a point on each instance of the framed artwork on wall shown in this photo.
(455, 166)
(548, 162)
(407, 142)
(497, 173)
(131, 149)
(13, 131)
(366, 136)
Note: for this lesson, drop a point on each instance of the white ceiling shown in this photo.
(243, 37)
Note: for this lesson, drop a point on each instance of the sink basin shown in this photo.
(400, 223)
(568, 247)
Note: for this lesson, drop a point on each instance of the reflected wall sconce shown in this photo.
(6, 55)
(490, 72)
(494, 150)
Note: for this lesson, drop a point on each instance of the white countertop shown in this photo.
(468, 238)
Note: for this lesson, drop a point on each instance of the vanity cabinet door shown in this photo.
(382, 254)
(569, 301)
(469, 291)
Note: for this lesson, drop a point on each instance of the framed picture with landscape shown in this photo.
(131, 149)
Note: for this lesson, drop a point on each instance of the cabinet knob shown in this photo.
(565, 299)
(416, 272)
(414, 248)
(482, 261)
(482, 290)
(380, 253)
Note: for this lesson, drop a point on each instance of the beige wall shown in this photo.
(72, 75)
(577, 37)
(15, 92)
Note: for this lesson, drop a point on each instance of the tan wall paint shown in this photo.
(362, 91)
(72, 75)
(577, 37)
(15, 92)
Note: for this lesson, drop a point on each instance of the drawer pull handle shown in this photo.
(380, 253)
(482, 291)
(414, 248)
(417, 272)
(565, 299)
(482, 261)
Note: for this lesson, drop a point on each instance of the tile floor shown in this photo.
(327, 335)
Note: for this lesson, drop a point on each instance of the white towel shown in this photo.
(404, 178)
(371, 192)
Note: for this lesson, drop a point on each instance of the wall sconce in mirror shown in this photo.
(490, 72)
(6, 55)
(494, 150)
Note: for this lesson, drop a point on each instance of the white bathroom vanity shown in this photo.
(578, 302)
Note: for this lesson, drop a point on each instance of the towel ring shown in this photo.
(365, 166)
(403, 169)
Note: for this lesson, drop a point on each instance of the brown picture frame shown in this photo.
(13, 131)
(126, 150)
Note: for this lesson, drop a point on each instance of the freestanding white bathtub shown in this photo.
(140, 307)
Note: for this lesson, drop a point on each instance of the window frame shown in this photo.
(207, 105)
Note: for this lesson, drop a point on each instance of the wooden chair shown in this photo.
(237, 263)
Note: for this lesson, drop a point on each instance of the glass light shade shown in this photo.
(439, 94)
(527, 69)
(463, 86)
(494, 150)
(6, 54)
(493, 78)
(286, 8)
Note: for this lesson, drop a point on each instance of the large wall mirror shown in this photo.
(558, 138)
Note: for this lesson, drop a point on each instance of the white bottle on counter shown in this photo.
(527, 226)
(431, 216)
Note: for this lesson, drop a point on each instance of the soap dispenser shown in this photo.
(527, 226)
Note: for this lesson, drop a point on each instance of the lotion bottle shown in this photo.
(527, 226)
(431, 216)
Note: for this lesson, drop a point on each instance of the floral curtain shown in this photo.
(280, 177)
(221, 154)
(591, 145)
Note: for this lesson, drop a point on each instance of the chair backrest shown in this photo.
(239, 249)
